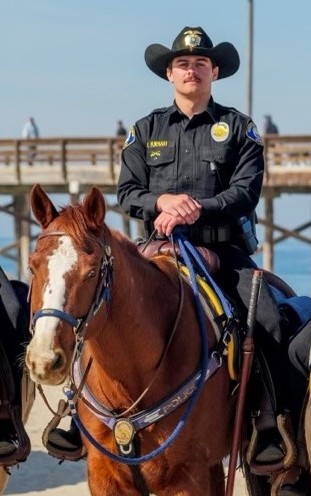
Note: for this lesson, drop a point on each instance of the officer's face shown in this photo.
(192, 74)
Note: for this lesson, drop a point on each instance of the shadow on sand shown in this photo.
(41, 471)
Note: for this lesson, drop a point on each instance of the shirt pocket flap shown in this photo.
(218, 156)
(160, 156)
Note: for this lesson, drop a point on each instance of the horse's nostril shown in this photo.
(57, 362)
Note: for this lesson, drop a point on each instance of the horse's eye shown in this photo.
(30, 270)
(92, 273)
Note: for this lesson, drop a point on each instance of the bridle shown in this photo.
(102, 293)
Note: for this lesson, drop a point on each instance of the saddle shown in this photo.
(164, 247)
(16, 388)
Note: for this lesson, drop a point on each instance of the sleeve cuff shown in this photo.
(149, 206)
(210, 205)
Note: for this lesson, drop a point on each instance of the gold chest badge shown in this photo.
(220, 131)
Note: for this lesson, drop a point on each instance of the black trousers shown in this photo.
(235, 279)
(299, 350)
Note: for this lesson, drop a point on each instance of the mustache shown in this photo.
(194, 77)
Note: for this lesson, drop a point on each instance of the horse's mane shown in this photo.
(73, 221)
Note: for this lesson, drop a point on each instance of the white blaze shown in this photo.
(60, 262)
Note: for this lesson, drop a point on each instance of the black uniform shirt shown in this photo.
(215, 157)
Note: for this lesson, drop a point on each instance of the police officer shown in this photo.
(200, 164)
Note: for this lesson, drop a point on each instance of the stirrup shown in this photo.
(23, 446)
(56, 452)
(288, 446)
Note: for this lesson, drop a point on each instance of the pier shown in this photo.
(72, 165)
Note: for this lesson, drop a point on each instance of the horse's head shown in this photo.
(70, 271)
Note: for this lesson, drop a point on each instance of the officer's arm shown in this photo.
(133, 185)
(243, 192)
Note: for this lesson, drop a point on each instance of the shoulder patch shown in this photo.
(130, 138)
(253, 134)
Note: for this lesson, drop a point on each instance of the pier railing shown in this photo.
(60, 161)
(56, 162)
(288, 162)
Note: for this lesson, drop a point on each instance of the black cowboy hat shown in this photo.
(193, 41)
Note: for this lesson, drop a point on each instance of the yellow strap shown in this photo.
(216, 309)
(208, 291)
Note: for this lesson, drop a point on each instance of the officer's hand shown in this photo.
(178, 206)
(165, 223)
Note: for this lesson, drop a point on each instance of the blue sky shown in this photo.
(78, 66)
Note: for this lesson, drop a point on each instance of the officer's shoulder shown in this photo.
(161, 110)
(153, 114)
(234, 112)
(244, 122)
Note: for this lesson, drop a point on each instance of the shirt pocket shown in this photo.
(162, 166)
(218, 166)
(206, 174)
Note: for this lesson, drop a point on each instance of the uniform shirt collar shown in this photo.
(176, 115)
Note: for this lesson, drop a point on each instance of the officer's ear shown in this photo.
(169, 72)
(215, 72)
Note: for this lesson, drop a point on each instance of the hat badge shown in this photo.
(192, 38)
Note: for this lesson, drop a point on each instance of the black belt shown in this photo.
(210, 234)
(200, 235)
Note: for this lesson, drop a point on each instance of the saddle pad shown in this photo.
(209, 299)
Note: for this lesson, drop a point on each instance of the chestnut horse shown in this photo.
(136, 363)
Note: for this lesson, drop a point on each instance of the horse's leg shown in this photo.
(308, 428)
(217, 480)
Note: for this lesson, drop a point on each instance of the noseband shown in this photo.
(102, 292)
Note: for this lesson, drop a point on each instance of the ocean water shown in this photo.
(292, 262)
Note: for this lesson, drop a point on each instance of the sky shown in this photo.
(78, 66)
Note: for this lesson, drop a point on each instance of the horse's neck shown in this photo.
(131, 332)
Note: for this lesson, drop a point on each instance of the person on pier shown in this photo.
(30, 131)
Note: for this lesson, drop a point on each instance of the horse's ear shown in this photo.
(41, 206)
(95, 208)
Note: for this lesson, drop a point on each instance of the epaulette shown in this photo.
(161, 110)
(231, 109)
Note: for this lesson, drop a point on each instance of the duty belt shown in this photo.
(210, 234)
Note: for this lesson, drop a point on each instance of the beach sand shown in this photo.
(42, 475)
